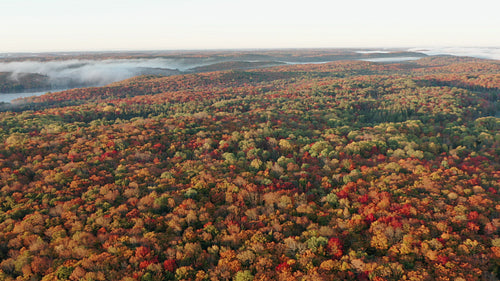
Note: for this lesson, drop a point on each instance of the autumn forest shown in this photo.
(348, 170)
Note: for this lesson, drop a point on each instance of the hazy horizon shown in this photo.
(488, 52)
(75, 70)
(128, 25)
(67, 70)
(368, 49)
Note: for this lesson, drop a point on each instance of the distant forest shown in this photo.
(53, 72)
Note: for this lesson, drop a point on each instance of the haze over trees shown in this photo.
(348, 170)
(60, 71)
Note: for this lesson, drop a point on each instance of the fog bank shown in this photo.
(62, 73)
(476, 52)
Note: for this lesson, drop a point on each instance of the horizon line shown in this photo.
(242, 49)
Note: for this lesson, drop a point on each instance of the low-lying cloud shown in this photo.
(97, 72)
(63, 74)
(477, 52)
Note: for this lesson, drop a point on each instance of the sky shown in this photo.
(108, 25)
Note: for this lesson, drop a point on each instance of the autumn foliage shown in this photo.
(341, 171)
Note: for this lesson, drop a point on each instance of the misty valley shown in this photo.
(52, 72)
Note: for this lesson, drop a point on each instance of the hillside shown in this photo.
(21, 82)
(77, 70)
(349, 170)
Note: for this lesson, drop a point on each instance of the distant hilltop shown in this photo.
(25, 72)
(35, 72)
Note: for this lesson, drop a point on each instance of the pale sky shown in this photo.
(80, 25)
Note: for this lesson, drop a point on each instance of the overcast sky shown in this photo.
(76, 25)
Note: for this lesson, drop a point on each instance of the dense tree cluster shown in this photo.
(20, 82)
(348, 170)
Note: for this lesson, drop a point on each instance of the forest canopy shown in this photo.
(348, 170)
